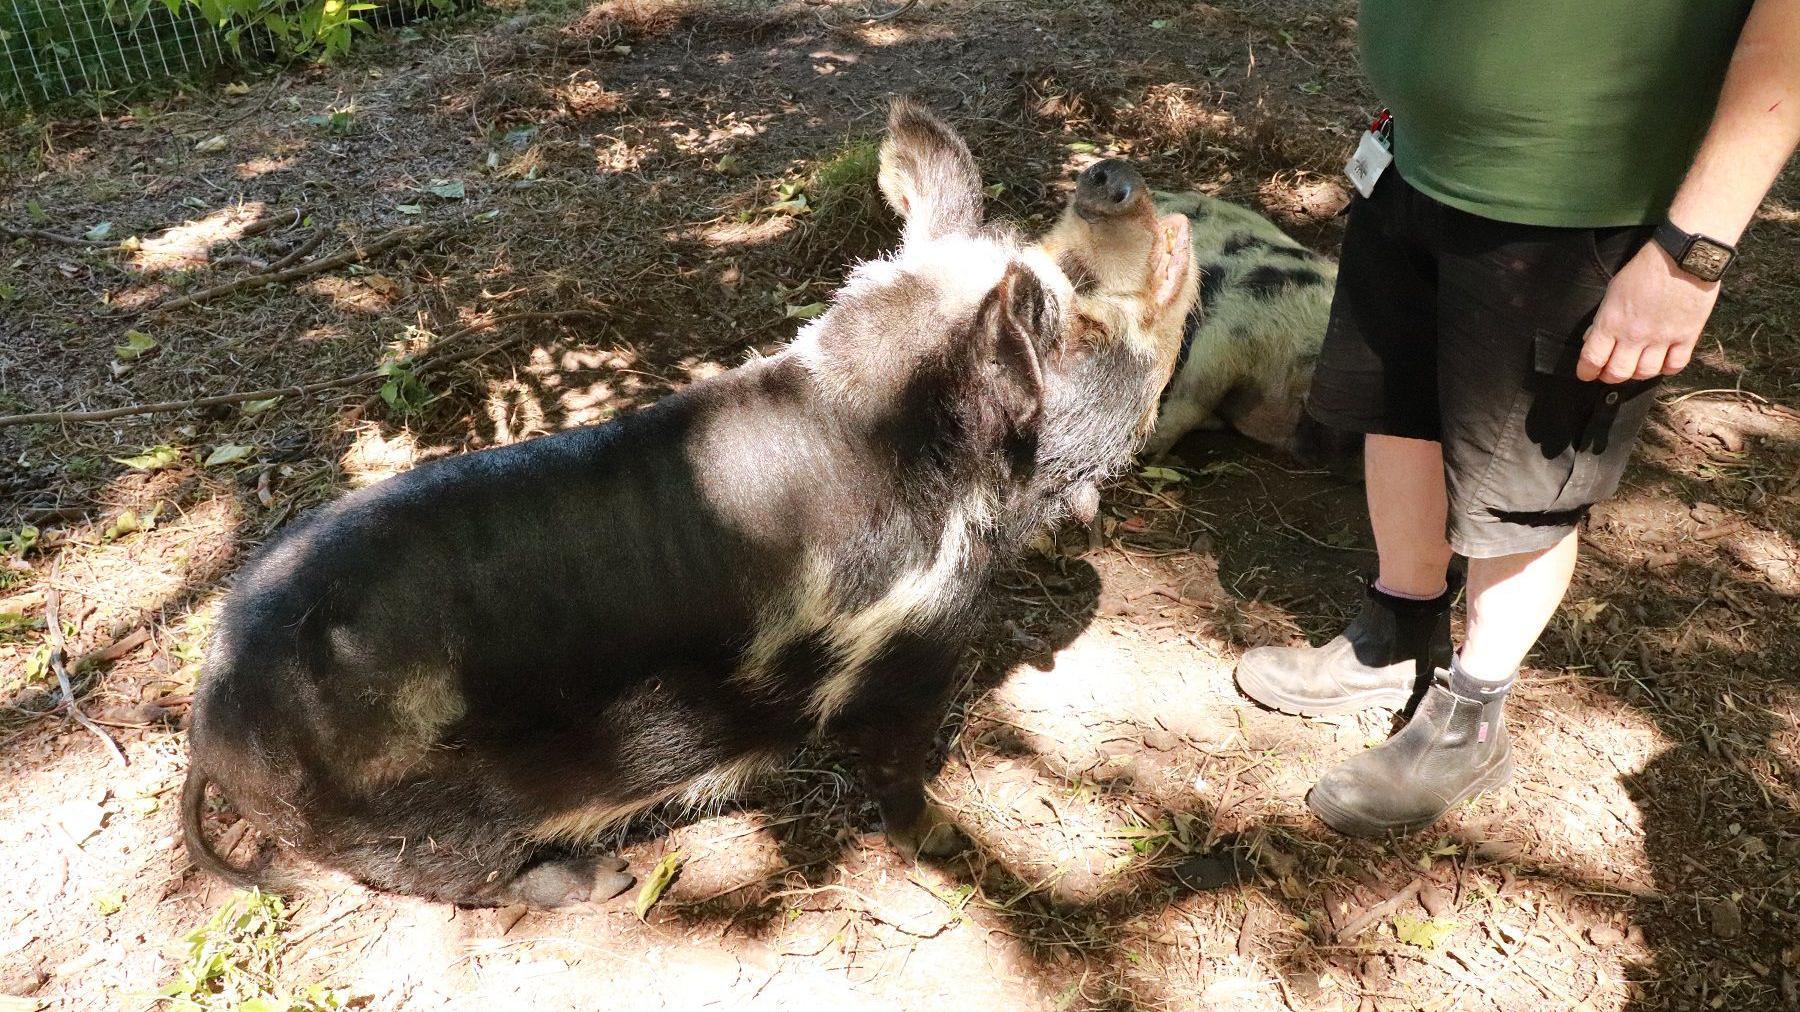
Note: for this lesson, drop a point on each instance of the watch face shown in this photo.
(1706, 259)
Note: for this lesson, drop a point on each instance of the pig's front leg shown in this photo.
(891, 726)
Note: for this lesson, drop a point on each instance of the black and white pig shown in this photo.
(1247, 358)
(448, 683)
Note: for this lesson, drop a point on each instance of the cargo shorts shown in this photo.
(1451, 327)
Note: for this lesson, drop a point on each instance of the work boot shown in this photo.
(1454, 747)
(1384, 658)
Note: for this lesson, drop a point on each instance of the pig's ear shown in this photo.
(928, 175)
(1017, 324)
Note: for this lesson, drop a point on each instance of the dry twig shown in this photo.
(42, 235)
(1380, 910)
(353, 255)
(58, 652)
(163, 407)
(430, 360)
(891, 15)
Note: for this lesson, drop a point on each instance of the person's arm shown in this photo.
(1653, 311)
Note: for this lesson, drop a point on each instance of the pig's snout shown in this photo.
(1107, 188)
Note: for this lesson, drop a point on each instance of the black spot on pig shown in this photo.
(1244, 242)
(1212, 285)
(1267, 280)
(1189, 328)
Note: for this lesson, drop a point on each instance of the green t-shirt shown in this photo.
(1549, 112)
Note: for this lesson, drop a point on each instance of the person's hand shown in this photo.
(1649, 321)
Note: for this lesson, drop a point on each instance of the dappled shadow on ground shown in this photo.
(633, 164)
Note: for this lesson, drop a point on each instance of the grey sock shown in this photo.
(1481, 690)
(1489, 694)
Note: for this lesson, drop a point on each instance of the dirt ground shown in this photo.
(543, 218)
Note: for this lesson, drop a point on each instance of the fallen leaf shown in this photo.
(80, 819)
(127, 523)
(449, 189)
(382, 284)
(1426, 934)
(258, 407)
(110, 903)
(1432, 898)
(227, 453)
(98, 232)
(806, 312)
(1727, 922)
(237, 88)
(409, 208)
(658, 883)
(1605, 935)
(137, 343)
(1167, 474)
(214, 143)
(155, 458)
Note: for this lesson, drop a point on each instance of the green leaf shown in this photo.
(137, 343)
(1426, 934)
(409, 208)
(258, 407)
(18, 542)
(127, 523)
(98, 232)
(1083, 147)
(449, 189)
(658, 883)
(18, 621)
(155, 458)
(227, 453)
(1167, 474)
(110, 903)
(809, 311)
(35, 211)
(1160, 23)
(404, 393)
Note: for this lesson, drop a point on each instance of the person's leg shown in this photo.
(1511, 599)
(1408, 510)
(1528, 448)
(1377, 375)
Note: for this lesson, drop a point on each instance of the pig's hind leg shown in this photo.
(453, 841)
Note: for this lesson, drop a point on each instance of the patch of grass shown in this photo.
(844, 189)
(848, 219)
(234, 962)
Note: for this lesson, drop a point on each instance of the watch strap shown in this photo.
(1672, 239)
(1706, 264)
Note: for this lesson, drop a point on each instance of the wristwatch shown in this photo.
(1703, 257)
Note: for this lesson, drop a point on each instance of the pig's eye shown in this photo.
(1091, 330)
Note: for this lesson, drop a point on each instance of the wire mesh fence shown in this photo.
(58, 49)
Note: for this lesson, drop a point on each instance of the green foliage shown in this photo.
(403, 391)
(18, 542)
(323, 28)
(234, 962)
